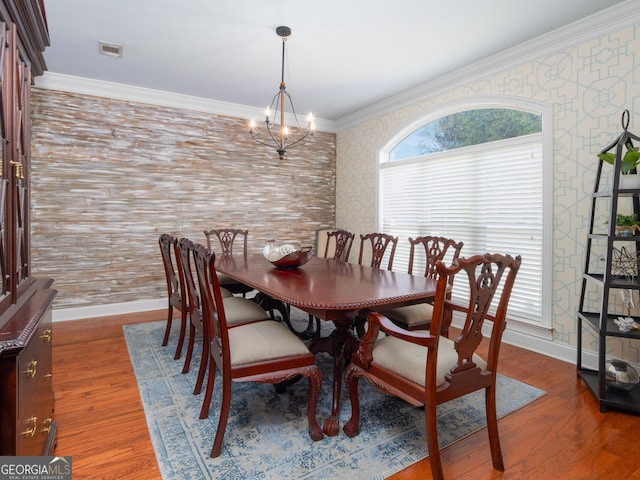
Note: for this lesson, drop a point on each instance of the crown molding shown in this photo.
(609, 20)
(119, 91)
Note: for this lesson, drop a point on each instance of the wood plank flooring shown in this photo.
(563, 435)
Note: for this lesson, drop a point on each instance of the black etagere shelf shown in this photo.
(602, 249)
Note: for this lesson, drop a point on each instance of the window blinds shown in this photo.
(488, 196)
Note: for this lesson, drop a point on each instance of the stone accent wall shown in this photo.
(109, 176)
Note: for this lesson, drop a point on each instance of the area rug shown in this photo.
(266, 437)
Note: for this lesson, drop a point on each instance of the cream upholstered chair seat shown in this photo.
(241, 310)
(410, 360)
(410, 315)
(427, 250)
(256, 342)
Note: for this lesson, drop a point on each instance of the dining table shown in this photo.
(334, 291)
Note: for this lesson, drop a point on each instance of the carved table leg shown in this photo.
(339, 344)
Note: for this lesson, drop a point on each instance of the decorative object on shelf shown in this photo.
(627, 225)
(619, 375)
(287, 255)
(625, 264)
(626, 324)
(629, 178)
(282, 139)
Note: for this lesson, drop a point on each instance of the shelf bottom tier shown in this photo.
(614, 399)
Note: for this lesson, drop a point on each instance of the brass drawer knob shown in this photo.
(46, 425)
(32, 426)
(30, 372)
(46, 335)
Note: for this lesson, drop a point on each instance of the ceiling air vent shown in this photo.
(110, 49)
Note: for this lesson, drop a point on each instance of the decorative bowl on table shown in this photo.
(287, 255)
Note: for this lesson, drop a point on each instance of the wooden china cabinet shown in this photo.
(27, 425)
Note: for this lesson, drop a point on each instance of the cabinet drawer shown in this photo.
(26, 387)
(34, 367)
(34, 426)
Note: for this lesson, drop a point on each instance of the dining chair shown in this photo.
(226, 239)
(434, 249)
(374, 247)
(427, 369)
(338, 245)
(167, 249)
(264, 351)
(240, 310)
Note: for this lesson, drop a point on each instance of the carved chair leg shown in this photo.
(352, 427)
(167, 330)
(203, 367)
(315, 382)
(208, 393)
(187, 358)
(432, 440)
(225, 407)
(492, 428)
(183, 331)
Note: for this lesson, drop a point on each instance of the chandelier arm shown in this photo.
(293, 110)
(277, 142)
(254, 136)
(293, 144)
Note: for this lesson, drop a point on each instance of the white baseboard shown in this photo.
(63, 314)
(530, 339)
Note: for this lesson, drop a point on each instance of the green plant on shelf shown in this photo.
(623, 220)
(630, 160)
(627, 224)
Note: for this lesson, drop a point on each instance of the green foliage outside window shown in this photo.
(471, 127)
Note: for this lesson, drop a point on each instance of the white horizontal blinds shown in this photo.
(488, 196)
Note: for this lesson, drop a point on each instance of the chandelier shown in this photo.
(281, 137)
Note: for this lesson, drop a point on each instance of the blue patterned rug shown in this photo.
(266, 437)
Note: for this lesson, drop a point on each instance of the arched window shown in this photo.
(475, 176)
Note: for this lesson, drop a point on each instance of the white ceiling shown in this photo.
(342, 56)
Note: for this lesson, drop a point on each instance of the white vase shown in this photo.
(269, 247)
(631, 181)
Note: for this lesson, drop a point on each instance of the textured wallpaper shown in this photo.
(588, 87)
(110, 176)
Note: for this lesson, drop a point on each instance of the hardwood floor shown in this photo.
(563, 435)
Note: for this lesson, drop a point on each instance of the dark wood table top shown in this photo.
(328, 288)
(334, 291)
